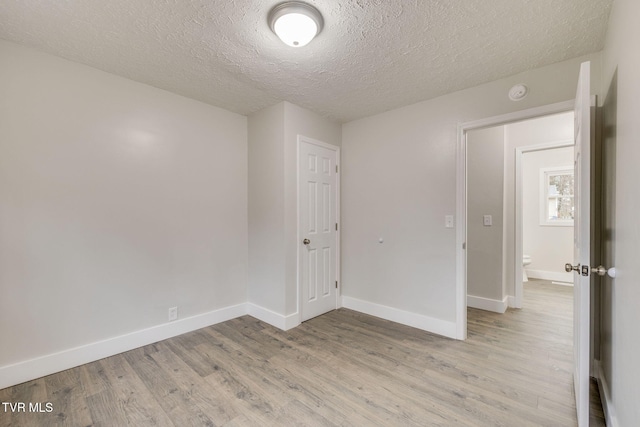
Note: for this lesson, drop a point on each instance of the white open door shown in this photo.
(318, 227)
(582, 242)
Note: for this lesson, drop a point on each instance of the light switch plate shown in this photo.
(487, 220)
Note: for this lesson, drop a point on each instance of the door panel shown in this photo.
(582, 242)
(318, 213)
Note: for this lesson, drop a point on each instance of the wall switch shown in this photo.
(448, 221)
(487, 220)
(173, 314)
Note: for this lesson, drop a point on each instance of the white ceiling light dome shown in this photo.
(295, 22)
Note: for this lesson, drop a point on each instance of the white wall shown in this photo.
(117, 201)
(485, 182)
(554, 128)
(266, 209)
(273, 221)
(399, 182)
(621, 340)
(550, 247)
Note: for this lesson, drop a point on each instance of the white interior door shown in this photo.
(582, 242)
(317, 232)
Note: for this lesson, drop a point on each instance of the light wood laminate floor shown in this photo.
(342, 368)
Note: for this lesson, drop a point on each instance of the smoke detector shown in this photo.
(518, 92)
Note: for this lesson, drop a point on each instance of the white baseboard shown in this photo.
(550, 275)
(49, 364)
(494, 305)
(274, 319)
(430, 324)
(511, 301)
(605, 396)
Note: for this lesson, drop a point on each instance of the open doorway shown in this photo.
(508, 227)
(519, 208)
(544, 207)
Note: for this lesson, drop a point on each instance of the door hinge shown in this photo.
(336, 226)
(336, 284)
(336, 168)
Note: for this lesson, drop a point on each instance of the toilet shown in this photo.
(526, 260)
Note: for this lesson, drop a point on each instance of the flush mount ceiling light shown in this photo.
(295, 22)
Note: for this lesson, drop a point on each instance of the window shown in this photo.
(556, 196)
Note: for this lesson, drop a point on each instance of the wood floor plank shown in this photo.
(104, 411)
(93, 378)
(130, 397)
(296, 413)
(341, 369)
(334, 400)
(30, 392)
(175, 401)
(64, 390)
(210, 400)
(231, 370)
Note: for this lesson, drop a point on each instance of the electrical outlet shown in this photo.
(173, 314)
(448, 221)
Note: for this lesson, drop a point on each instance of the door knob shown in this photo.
(569, 268)
(586, 270)
(601, 271)
(306, 241)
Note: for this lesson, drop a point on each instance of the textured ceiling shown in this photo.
(372, 56)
